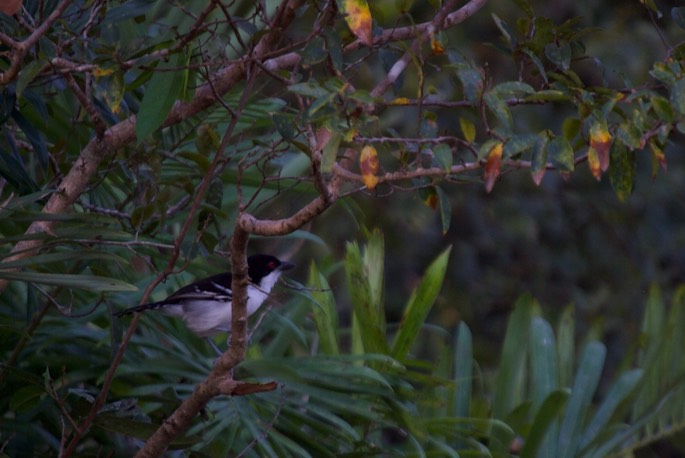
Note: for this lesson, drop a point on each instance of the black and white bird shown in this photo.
(206, 305)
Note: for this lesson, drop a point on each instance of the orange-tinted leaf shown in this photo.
(493, 165)
(431, 199)
(593, 162)
(436, 45)
(600, 141)
(368, 164)
(358, 17)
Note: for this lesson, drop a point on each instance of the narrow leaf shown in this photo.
(325, 312)
(420, 303)
(370, 325)
(584, 386)
(508, 382)
(463, 371)
(87, 282)
(545, 417)
(163, 89)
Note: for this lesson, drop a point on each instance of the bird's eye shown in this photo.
(272, 265)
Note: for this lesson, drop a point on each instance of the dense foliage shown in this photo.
(145, 142)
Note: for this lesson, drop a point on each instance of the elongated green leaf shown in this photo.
(325, 312)
(584, 386)
(617, 394)
(420, 303)
(508, 385)
(34, 136)
(369, 322)
(163, 89)
(566, 346)
(374, 266)
(48, 258)
(463, 371)
(87, 282)
(445, 206)
(542, 428)
(544, 376)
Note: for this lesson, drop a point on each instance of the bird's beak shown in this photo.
(286, 265)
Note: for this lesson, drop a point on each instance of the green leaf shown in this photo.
(662, 108)
(542, 427)
(371, 325)
(561, 154)
(309, 89)
(544, 375)
(471, 80)
(508, 383)
(566, 332)
(584, 386)
(87, 282)
(445, 207)
(34, 136)
(284, 125)
(325, 312)
(463, 371)
(443, 156)
(622, 170)
(498, 105)
(27, 74)
(47, 258)
(678, 96)
(619, 391)
(538, 160)
(559, 55)
(518, 144)
(330, 151)
(420, 303)
(543, 360)
(374, 266)
(162, 91)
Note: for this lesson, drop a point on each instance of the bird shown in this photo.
(206, 305)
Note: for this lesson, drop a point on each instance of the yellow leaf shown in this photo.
(358, 17)
(600, 142)
(368, 164)
(492, 166)
(100, 72)
(350, 134)
(593, 162)
(400, 101)
(468, 129)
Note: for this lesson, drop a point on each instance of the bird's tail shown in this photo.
(140, 308)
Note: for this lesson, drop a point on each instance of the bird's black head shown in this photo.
(261, 265)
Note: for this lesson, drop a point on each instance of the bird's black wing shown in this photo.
(216, 287)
